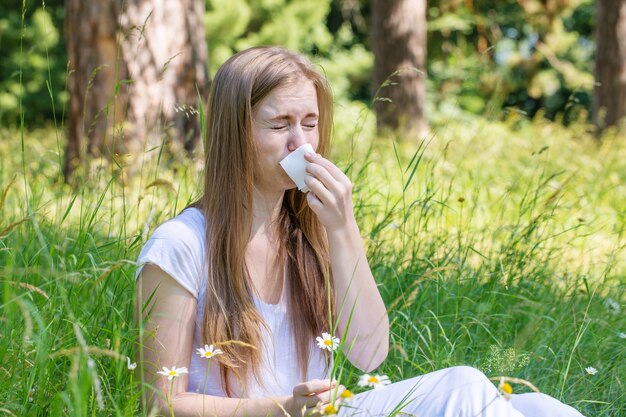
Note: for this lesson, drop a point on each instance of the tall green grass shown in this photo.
(496, 244)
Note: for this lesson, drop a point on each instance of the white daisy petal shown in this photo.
(382, 381)
(328, 342)
(374, 381)
(173, 373)
(364, 380)
(591, 370)
(208, 351)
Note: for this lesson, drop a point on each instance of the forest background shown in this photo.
(497, 236)
(482, 56)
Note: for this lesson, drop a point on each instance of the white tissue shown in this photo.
(294, 165)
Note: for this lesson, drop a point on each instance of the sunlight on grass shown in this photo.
(496, 244)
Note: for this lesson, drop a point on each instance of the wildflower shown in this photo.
(612, 306)
(622, 335)
(346, 396)
(208, 351)
(375, 381)
(172, 373)
(327, 342)
(505, 389)
(31, 393)
(591, 370)
(329, 409)
(131, 365)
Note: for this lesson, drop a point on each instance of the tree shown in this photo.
(399, 45)
(136, 68)
(610, 91)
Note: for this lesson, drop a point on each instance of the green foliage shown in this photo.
(32, 61)
(533, 56)
(301, 25)
(236, 25)
(483, 57)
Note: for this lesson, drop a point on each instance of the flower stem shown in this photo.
(206, 377)
(170, 403)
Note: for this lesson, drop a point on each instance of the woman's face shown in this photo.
(284, 120)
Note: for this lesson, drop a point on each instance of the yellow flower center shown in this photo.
(172, 373)
(327, 342)
(330, 409)
(373, 380)
(507, 388)
(347, 394)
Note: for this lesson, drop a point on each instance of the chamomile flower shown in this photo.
(346, 396)
(506, 389)
(622, 335)
(31, 393)
(374, 381)
(612, 306)
(208, 351)
(591, 370)
(131, 365)
(328, 410)
(173, 373)
(327, 342)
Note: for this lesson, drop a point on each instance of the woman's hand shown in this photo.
(330, 195)
(309, 395)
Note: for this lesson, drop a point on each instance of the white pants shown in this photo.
(460, 391)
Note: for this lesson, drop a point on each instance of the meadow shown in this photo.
(498, 244)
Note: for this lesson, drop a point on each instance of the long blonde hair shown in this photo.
(229, 312)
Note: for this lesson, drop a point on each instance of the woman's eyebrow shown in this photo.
(288, 117)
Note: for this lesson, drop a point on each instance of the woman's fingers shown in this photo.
(309, 396)
(323, 194)
(331, 192)
(313, 386)
(314, 392)
(328, 188)
(337, 174)
(329, 175)
(322, 174)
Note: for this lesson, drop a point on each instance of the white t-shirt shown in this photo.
(178, 247)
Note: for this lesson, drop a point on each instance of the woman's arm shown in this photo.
(355, 289)
(169, 312)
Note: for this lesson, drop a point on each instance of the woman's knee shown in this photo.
(468, 374)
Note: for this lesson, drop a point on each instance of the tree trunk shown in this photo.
(399, 44)
(135, 76)
(609, 104)
(91, 32)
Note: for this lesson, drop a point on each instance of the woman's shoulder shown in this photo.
(178, 247)
(188, 226)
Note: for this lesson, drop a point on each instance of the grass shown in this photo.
(496, 244)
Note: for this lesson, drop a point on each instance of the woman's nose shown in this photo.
(296, 138)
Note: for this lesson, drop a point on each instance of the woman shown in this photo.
(257, 261)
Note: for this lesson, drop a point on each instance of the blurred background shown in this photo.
(112, 71)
